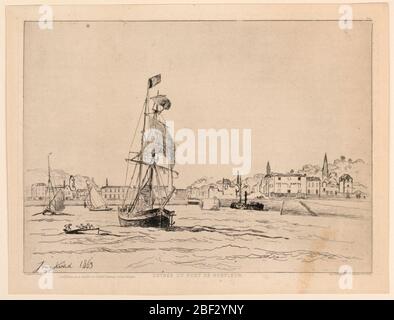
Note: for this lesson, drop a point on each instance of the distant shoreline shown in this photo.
(40, 203)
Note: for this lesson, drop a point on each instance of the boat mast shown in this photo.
(151, 168)
(90, 204)
(50, 187)
(171, 165)
(171, 178)
(240, 187)
(146, 112)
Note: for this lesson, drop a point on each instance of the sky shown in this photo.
(303, 88)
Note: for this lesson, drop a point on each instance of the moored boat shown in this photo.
(54, 197)
(157, 217)
(244, 205)
(194, 201)
(101, 209)
(248, 206)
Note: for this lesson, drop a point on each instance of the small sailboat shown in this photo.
(54, 196)
(95, 201)
(153, 169)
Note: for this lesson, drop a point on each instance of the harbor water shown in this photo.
(226, 240)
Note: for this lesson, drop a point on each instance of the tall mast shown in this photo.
(49, 169)
(50, 187)
(152, 168)
(171, 179)
(90, 196)
(171, 165)
(240, 187)
(146, 111)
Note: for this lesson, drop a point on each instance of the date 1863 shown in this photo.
(86, 264)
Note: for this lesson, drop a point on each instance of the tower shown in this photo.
(268, 169)
(325, 167)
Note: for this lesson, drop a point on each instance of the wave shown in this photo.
(230, 231)
(252, 252)
(49, 220)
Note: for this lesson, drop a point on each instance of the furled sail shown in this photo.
(162, 101)
(161, 140)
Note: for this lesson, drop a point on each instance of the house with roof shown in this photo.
(329, 187)
(209, 191)
(114, 193)
(38, 191)
(227, 189)
(346, 184)
(313, 186)
(283, 184)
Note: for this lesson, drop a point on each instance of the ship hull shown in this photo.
(100, 209)
(156, 218)
(50, 212)
(83, 231)
(248, 206)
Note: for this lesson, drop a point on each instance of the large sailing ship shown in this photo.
(151, 182)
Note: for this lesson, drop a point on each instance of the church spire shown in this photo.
(268, 169)
(325, 167)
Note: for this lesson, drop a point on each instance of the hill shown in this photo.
(58, 177)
